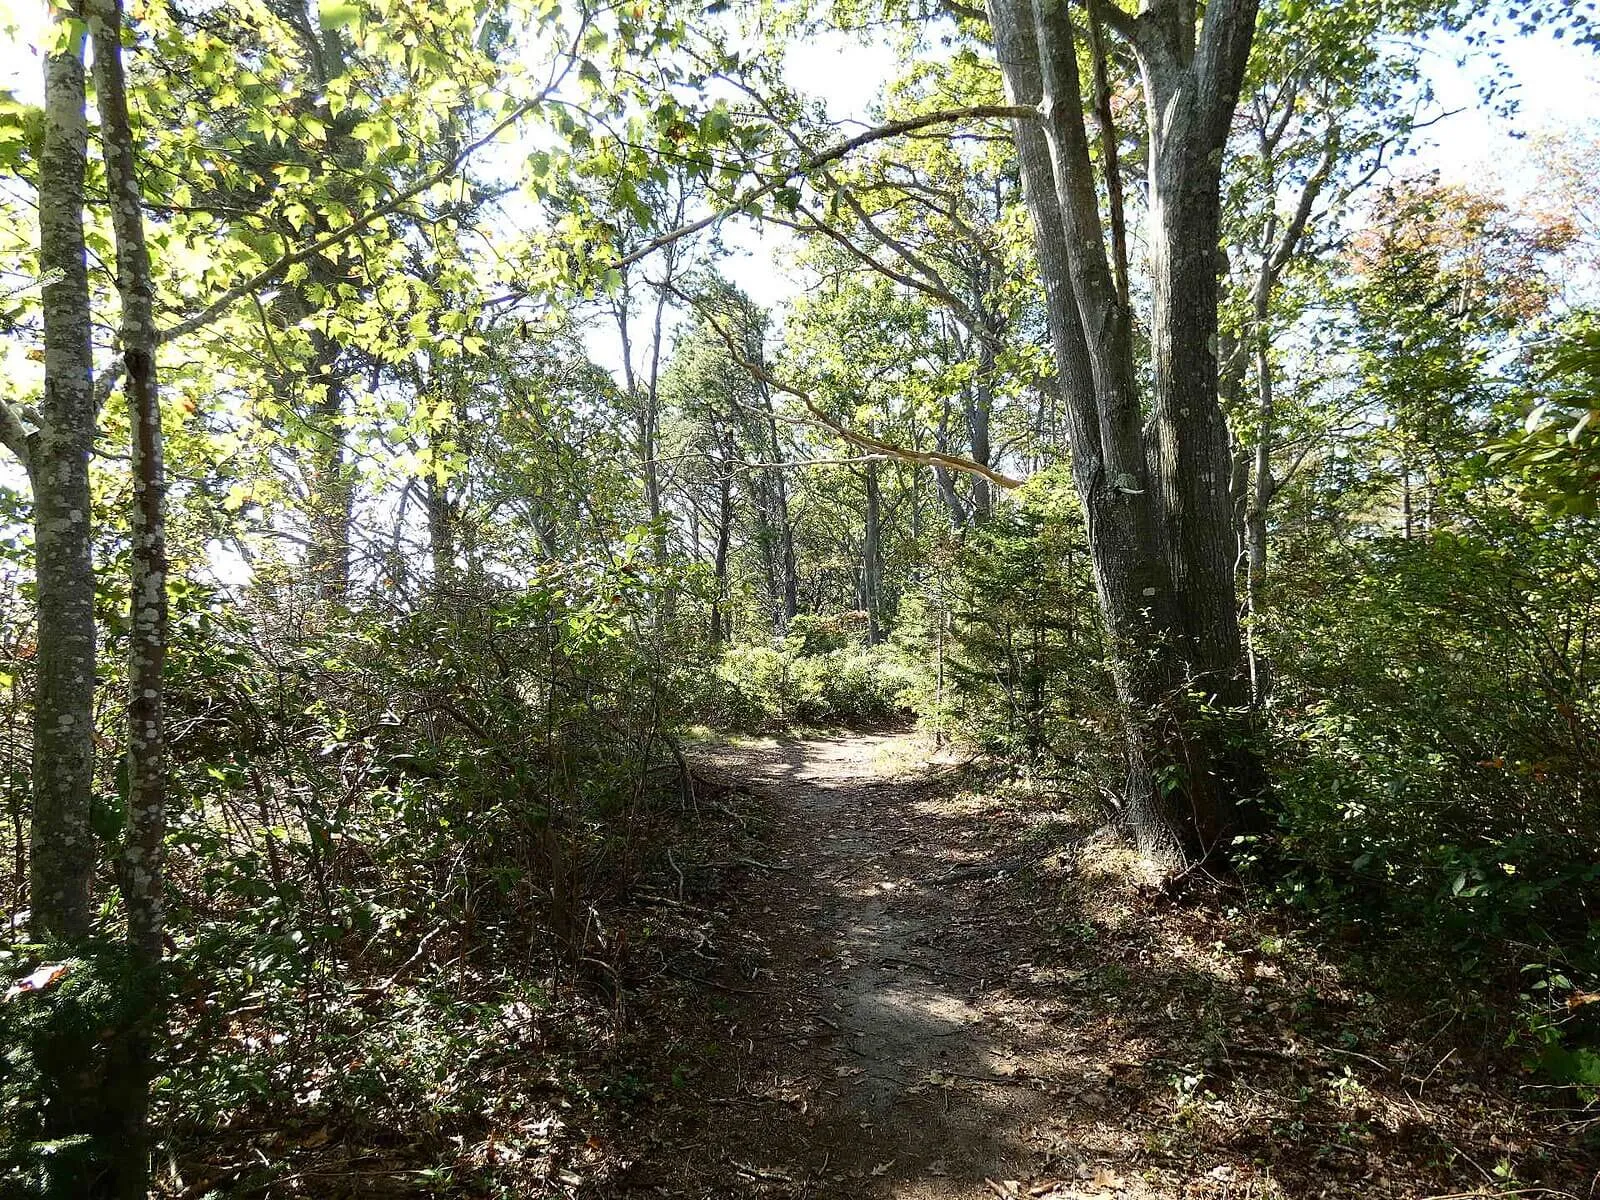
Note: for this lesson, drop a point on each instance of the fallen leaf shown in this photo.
(882, 1168)
(1105, 1177)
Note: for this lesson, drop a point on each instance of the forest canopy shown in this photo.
(432, 433)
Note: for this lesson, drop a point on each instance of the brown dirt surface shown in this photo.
(895, 981)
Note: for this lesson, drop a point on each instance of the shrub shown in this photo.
(1436, 711)
(776, 686)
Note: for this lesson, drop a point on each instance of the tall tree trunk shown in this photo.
(719, 567)
(1107, 458)
(1111, 166)
(1254, 499)
(1260, 494)
(438, 498)
(872, 557)
(331, 502)
(943, 480)
(1159, 523)
(1192, 455)
(440, 509)
(63, 841)
(141, 871)
(979, 406)
(787, 568)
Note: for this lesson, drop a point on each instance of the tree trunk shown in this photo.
(1109, 157)
(1159, 520)
(944, 481)
(141, 871)
(331, 501)
(719, 568)
(787, 568)
(63, 841)
(872, 557)
(979, 405)
(1260, 497)
(441, 533)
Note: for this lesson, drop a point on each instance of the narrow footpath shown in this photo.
(904, 988)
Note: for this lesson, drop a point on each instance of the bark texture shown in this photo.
(141, 871)
(63, 841)
(1157, 499)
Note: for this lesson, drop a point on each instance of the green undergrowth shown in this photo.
(817, 676)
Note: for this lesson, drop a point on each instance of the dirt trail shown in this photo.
(897, 983)
(885, 1070)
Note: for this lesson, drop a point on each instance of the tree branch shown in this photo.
(814, 223)
(14, 435)
(821, 159)
(108, 380)
(1225, 38)
(1119, 19)
(819, 416)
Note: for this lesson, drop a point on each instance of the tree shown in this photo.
(1157, 505)
(57, 458)
(1333, 96)
(141, 869)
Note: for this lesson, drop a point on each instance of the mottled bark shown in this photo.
(140, 873)
(63, 842)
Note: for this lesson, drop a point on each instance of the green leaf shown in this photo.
(337, 14)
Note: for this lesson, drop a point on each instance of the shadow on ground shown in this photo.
(920, 991)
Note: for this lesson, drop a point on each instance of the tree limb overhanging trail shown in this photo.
(820, 416)
(822, 158)
(12, 429)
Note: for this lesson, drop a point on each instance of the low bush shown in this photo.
(759, 687)
(1436, 718)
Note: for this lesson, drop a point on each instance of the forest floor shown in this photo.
(894, 981)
